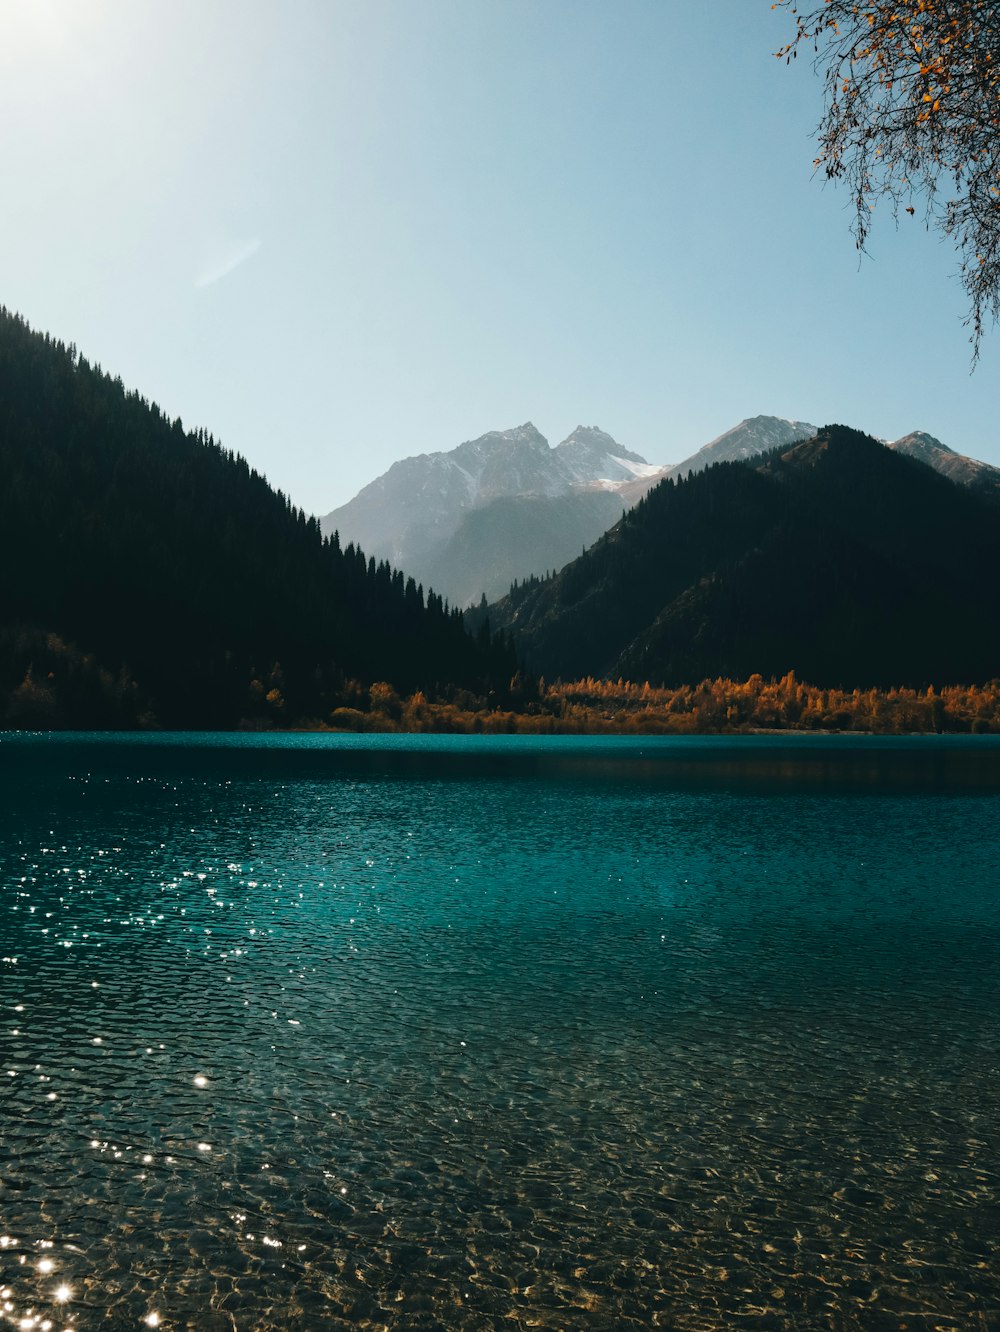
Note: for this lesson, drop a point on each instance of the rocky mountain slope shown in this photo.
(756, 434)
(753, 435)
(499, 507)
(964, 471)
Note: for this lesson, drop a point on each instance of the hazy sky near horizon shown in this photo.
(339, 232)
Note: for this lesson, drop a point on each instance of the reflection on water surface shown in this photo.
(312, 1033)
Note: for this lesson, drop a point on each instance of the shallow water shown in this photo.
(405, 1032)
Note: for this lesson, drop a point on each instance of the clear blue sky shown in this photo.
(337, 232)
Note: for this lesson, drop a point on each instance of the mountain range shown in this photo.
(472, 521)
(468, 521)
(154, 578)
(851, 563)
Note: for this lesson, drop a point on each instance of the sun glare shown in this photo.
(35, 23)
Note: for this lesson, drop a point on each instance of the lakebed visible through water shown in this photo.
(309, 1032)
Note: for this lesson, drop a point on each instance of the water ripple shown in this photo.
(383, 1044)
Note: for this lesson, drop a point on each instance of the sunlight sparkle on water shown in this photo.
(680, 1002)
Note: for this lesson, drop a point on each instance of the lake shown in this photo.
(320, 1032)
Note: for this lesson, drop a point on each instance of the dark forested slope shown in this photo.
(835, 558)
(147, 567)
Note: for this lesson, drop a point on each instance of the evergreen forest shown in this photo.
(838, 559)
(152, 578)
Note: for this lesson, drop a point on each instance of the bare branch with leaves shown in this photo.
(912, 111)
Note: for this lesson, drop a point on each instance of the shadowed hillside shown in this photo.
(151, 569)
(836, 558)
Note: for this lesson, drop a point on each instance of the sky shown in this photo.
(336, 233)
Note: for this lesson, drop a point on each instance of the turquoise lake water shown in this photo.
(312, 1032)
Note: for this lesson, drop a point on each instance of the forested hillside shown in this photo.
(152, 576)
(835, 558)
